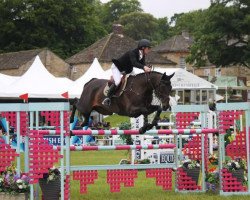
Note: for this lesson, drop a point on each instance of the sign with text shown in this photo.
(166, 157)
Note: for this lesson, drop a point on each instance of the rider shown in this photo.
(125, 64)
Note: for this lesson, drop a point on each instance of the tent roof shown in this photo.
(7, 80)
(37, 82)
(94, 71)
(186, 80)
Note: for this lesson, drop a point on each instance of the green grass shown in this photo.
(115, 120)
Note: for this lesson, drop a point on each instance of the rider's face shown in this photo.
(146, 50)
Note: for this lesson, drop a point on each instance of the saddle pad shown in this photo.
(120, 89)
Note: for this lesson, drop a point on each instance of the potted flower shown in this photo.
(192, 168)
(12, 185)
(50, 184)
(236, 167)
(213, 159)
(212, 180)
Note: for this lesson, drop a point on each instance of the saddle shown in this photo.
(120, 88)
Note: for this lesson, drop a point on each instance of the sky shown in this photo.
(167, 8)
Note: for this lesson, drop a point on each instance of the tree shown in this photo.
(64, 26)
(114, 9)
(190, 22)
(224, 37)
(140, 25)
(163, 28)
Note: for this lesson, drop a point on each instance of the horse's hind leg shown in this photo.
(86, 120)
(73, 110)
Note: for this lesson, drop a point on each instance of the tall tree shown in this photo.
(140, 25)
(163, 29)
(114, 9)
(190, 22)
(224, 37)
(64, 26)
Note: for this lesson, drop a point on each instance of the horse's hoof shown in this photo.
(154, 123)
(149, 127)
(142, 130)
(71, 133)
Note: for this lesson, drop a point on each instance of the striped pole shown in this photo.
(117, 147)
(150, 132)
(132, 132)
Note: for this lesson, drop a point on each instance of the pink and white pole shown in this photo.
(133, 132)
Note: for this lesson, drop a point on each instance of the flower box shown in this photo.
(12, 184)
(239, 174)
(18, 196)
(193, 173)
(236, 167)
(50, 189)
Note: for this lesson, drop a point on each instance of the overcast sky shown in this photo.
(167, 8)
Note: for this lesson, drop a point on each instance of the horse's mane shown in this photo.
(86, 84)
(152, 72)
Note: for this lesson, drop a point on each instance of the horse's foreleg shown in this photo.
(157, 116)
(145, 119)
(146, 125)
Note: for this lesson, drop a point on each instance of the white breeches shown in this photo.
(117, 75)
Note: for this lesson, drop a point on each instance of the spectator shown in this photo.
(212, 105)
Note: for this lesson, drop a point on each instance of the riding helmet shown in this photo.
(144, 43)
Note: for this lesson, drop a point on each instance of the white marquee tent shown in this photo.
(37, 82)
(94, 71)
(6, 80)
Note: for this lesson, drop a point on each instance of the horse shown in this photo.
(135, 100)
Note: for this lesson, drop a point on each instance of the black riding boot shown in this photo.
(111, 92)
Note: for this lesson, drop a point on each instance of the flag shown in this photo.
(24, 96)
(65, 95)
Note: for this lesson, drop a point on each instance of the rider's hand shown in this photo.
(147, 69)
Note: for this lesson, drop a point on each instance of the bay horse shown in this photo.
(135, 100)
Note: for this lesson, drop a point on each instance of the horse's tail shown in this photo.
(73, 110)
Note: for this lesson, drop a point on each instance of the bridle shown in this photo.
(156, 88)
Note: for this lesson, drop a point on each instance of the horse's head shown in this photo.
(164, 89)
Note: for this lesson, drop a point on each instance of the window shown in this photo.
(206, 72)
(218, 72)
(74, 69)
(182, 63)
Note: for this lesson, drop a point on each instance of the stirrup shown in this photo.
(106, 101)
